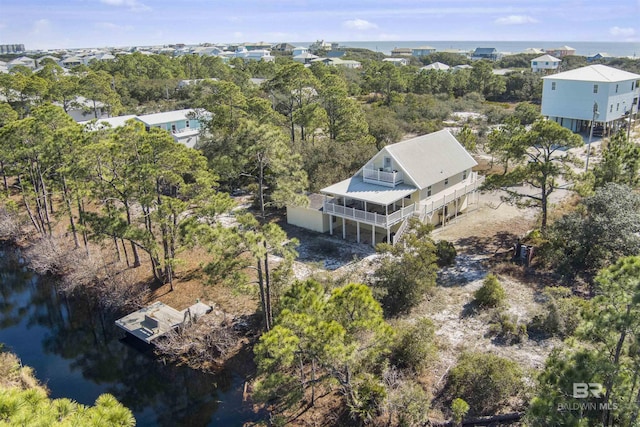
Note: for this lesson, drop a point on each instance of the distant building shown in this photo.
(489, 53)
(604, 56)
(397, 61)
(23, 61)
(436, 66)
(402, 51)
(561, 52)
(533, 51)
(305, 58)
(11, 48)
(545, 63)
(423, 51)
(283, 48)
(299, 50)
(570, 98)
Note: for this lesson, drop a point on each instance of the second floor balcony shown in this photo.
(387, 178)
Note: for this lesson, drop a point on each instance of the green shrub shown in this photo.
(484, 381)
(414, 347)
(459, 409)
(491, 294)
(561, 315)
(446, 253)
(507, 329)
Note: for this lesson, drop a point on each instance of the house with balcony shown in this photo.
(598, 93)
(183, 124)
(545, 64)
(429, 177)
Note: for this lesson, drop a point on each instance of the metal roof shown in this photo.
(547, 57)
(168, 117)
(355, 188)
(429, 159)
(595, 73)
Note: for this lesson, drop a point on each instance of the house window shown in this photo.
(173, 128)
(611, 108)
(618, 106)
(546, 63)
(553, 85)
(429, 191)
(616, 88)
(446, 181)
(186, 123)
(387, 162)
(535, 63)
(595, 88)
(464, 175)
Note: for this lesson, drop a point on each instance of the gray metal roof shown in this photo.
(355, 188)
(429, 159)
(595, 73)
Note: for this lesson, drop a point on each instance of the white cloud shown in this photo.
(515, 20)
(133, 5)
(624, 32)
(359, 24)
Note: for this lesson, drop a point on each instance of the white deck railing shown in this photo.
(374, 218)
(376, 176)
(429, 206)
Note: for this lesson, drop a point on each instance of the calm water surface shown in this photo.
(80, 355)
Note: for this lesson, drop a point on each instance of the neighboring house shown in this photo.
(489, 53)
(23, 61)
(108, 122)
(439, 66)
(399, 62)
(337, 62)
(561, 52)
(423, 51)
(283, 48)
(305, 58)
(401, 51)
(429, 177)
(72, 61)
(533, 51)
(571, 97)
(258, 46)
(182, 124)
(545, 64)
(299, 51)
(254, 55)
(82, 109)
(600, 56)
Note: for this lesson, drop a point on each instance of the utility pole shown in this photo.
(595, 114)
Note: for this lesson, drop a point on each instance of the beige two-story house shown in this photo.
(429, 177)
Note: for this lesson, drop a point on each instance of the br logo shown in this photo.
(584, 390)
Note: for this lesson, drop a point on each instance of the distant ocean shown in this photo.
(631, 49)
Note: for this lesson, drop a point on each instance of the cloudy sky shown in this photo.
(41, 24)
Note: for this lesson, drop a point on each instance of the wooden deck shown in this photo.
(152, 322)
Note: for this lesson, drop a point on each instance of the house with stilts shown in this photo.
(429, 177)
(595, 93)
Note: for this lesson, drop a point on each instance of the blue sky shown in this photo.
(44, 24)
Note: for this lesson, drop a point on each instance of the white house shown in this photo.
(423, 51)
(305, 58)
(255, 55)
(183, 125)
(545, 63)
(429, 177)
(299, 51)
(439, 66)
(596, 92)
(397, 61)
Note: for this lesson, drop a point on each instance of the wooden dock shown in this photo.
(152, 322)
